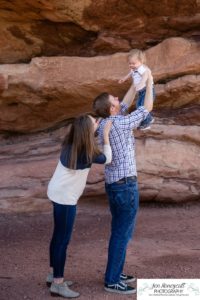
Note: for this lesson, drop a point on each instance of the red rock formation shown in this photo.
(87, 28)
(37, 94)
(168, 163)
(49, 90)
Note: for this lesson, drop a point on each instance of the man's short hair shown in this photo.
(101, 105)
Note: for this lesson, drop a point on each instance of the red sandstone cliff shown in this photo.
(56, 56)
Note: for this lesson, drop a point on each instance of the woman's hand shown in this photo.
(107, 127)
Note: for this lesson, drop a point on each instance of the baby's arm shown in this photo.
(123, 79)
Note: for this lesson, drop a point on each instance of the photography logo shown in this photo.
(168, 289)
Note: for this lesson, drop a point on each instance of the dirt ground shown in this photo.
(166, 245)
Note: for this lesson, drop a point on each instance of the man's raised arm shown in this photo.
(148, 100)
(129, 97)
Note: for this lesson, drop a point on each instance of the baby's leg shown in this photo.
(140, 98)
(149, 119)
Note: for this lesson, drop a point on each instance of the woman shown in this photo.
(79, 151)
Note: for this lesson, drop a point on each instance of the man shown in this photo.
(121, 179)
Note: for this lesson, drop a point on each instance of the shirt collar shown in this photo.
(141, 69)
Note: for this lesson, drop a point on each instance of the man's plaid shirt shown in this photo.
(122, 143)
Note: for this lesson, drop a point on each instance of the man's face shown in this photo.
(115, 105)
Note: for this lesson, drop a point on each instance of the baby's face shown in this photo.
(134, 63)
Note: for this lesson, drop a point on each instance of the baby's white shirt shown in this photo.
(137, 77)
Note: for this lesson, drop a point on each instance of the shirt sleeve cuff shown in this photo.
(108, 153)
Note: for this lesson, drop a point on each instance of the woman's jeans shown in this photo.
(140, 102)
(64, 216)
(124, 203)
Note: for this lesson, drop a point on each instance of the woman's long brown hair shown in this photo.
(82, 140)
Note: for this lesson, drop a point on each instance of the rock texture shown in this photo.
(49, 90)
(168, 160)
(91, 27)
(56, 56)
(43, 95)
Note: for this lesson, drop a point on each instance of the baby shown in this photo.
(139, 74)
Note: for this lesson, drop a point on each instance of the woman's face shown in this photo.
(94, 122)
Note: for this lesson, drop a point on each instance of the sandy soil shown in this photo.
(166, 245)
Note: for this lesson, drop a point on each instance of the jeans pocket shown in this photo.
(120, 198)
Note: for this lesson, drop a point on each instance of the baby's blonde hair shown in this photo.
(139, 54)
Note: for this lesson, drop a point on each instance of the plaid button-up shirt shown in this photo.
(122, 143)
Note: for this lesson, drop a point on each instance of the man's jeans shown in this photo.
(64, 217)
(124, 202)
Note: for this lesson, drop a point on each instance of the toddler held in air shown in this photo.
(139, 74)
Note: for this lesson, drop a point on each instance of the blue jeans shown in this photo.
(64, 217)
(140, 102)
(124, 203)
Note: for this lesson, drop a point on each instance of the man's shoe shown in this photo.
(62, 290)
(49, 280)
(152, 121)
(120, 288)
(127, 278)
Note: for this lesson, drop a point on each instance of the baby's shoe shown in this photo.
(152, 121)
(144, 127)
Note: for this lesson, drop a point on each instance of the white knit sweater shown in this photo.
(67, 185)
